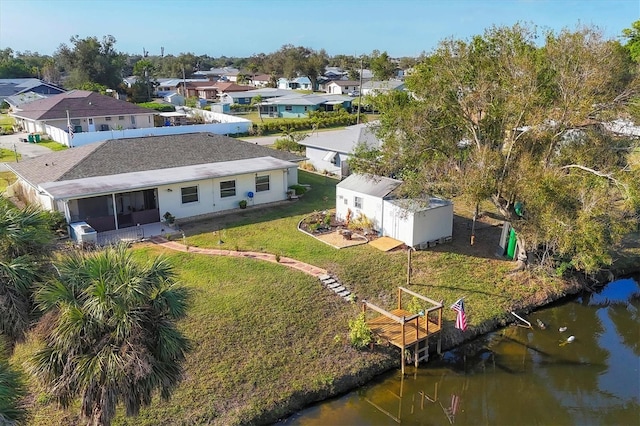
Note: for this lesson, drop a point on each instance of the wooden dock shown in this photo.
(407, 330)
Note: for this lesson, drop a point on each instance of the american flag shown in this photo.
(461, 318)
(69, 126)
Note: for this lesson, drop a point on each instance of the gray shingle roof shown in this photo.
(119, 156)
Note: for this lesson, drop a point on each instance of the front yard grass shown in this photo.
(267, 339)
(8, 156)
(6, 179)
(53, 145)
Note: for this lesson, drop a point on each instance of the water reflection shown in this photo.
(517, 375)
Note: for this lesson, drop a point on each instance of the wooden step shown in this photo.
(338, 289)
(333, 286)
(324, 277)
(344, 293)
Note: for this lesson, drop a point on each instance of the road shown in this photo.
(26, 150)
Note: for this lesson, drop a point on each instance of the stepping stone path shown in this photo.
(327, 280)
(334, 285)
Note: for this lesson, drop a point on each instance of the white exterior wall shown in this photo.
(315, 157)
(209, 199)
(372, 207)
(415, 228)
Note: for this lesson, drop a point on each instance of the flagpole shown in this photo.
(69, 130)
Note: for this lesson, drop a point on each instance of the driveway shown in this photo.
(26, 150)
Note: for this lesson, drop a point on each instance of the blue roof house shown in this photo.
(299, 106)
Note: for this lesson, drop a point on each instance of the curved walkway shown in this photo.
(286, 261)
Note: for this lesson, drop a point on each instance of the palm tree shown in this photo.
(25, 235)
(12, 392)
(113, 336)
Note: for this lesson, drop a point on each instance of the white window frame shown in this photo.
(228, 192)
(262, 186)
(188, 191)
(358, 202)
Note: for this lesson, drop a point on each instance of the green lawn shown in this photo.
(53, 145)
(8, 156)
(6, 179)
(267, 339)
(6, 121)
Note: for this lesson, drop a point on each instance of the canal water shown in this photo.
(583, 368)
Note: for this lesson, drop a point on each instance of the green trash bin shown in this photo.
(30, 138)
(37, 137)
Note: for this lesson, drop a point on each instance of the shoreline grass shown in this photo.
(268, 341)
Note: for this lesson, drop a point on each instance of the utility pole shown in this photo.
(359, 93)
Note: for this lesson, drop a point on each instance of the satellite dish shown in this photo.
(250, 194)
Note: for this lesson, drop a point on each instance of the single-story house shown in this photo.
(244, 98)
(330, 151)
(16, 101)
(85, 111)
(298, 83)
(297, 105)
(416, 222)
(15, 86)
(343, 87)
(374, 87)
(121, 183)
(260, 80)
(222, 74)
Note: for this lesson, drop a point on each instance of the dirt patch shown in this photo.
(338, 240)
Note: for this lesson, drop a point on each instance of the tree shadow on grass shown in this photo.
(485, 243)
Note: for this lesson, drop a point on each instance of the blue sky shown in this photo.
(244, 27)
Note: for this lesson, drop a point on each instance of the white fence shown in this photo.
(224, 125)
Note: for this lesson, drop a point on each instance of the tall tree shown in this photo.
(382, 66)
(89, 60)
(143, 88)
(499, 118)
(12, 67)
(633, 40)
(113, 336)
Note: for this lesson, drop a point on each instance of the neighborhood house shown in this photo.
(122, 183)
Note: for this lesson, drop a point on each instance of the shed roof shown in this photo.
(367, 184)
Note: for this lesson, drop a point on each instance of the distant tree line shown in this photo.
(95, 64)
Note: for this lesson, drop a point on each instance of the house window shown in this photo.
(133, 120)
(107, 118)
(121, 117)
(189, 194)
(288, 108)
(357, 202)
(305, 109)
(262, 183)
(228, 188)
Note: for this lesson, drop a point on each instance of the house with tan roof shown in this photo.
(122, 183)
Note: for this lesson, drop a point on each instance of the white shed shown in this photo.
(418, 222)
(415, 222)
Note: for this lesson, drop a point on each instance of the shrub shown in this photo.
(158, 107)
(359, 332)
(361, 222)
(299, 189)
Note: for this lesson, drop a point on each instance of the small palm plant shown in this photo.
(113, 335)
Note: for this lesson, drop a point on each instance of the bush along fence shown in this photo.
(314, 122)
